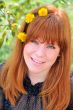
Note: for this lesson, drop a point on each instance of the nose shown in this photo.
(40, 52)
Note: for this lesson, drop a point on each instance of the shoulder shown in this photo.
(72, 84)
(1, 92)
(1, 99)
(70, 107)
(1, 65)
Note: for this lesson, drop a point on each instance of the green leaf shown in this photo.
(2, 4)
(2, 38)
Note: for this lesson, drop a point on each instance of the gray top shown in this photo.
(31, 100)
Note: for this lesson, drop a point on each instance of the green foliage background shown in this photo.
(12, 13)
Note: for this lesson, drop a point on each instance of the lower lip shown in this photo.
(36, 62)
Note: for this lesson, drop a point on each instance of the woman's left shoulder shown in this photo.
(1, 98)
(70, 107)
(72, 85)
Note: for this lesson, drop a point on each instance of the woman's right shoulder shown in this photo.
(1, 91)
(2, 96)
(1, 65)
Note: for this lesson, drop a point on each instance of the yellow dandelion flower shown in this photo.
(29, 17)
(22, 36)
(43, 12)
(14, 25)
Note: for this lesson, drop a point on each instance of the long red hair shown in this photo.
(56, 88)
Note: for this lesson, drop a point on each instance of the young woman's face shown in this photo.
(39, 57)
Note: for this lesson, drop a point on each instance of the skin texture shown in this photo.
(39, 58)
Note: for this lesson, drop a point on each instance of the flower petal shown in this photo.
(29, 17)
(43, 12)
(22, 36)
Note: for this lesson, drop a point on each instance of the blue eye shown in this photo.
(51, 46)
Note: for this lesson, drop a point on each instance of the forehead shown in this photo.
(48, 29)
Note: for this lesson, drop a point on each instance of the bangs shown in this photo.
(46, 29)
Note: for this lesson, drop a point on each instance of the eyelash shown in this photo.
(51, 46)
(34, 41)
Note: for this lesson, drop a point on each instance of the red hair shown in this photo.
(53, 27)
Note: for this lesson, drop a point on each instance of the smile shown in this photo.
(36, 61)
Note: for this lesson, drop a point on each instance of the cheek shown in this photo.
(26, 53)
(28, 49)
(53, 55)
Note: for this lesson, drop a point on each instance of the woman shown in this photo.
(37, 75)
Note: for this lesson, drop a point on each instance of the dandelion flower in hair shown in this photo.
(43, 12)
(29, 17)
(22, 36)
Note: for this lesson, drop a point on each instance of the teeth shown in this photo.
(37, 61)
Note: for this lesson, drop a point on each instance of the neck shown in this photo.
(36, 78)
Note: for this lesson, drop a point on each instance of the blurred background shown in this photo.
(12, 13)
